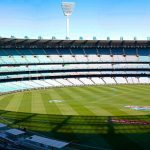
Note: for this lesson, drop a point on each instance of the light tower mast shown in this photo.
(67, 8)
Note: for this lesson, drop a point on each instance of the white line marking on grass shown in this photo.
(56, 101)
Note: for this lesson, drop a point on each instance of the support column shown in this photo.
(68, 26)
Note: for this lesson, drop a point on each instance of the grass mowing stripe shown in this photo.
(114, 110)
(15, 102)
(25, 105)
(37, 103)
(102, 110)
(132, 89)
(127, 100)
(76, 104)
(134, 97)
(64, 107)
(5, 101)
(50, 108)
(101, 96)
(96, 109)
(2, 97)
(141, 87)
(75, 101)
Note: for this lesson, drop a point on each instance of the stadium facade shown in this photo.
(32, 64)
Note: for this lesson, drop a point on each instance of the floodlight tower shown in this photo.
(67, 8)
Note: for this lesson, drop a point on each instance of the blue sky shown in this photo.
(100, 18)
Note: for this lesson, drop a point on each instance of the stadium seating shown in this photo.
(24, 68)
(75, 81)
(109, 80)
(121, 80)
(135, 80)
(144, 80)
(98, 81)
(86, 81)
(64, 82)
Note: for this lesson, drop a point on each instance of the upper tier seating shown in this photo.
(118, 55)
(13, 56)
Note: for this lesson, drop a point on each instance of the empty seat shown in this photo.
(81, 58)
(121, 80)
(135, 80)
(43, 83)
(106, 58)
(53, 82)
(93, 58)
(68, 58)
(129, 80)
(64, 82)
(144, 58)
(86, 81)
(75, 81)
(144, 80)
(109, 80)
(97, 80)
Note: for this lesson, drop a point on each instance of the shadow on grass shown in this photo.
(118, 133)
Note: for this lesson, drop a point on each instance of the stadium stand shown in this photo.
(32, 64)
(19, 139)
(109, 80)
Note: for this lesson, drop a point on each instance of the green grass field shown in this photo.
(83, 101)
(84, 115)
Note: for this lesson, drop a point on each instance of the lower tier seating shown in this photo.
(48, 83)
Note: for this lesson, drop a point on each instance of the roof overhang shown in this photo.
(42, 43)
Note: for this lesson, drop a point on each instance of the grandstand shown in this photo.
(32, 64)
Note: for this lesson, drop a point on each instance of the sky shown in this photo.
(91, 18)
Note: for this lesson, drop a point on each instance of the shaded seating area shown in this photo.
(19, 139)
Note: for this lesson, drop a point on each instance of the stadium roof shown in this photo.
(41, 43)
(15, 132)
(2, 125)
(47, 142)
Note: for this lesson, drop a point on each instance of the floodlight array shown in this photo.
(68, 8)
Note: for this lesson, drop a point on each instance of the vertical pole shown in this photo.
(68, 26)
